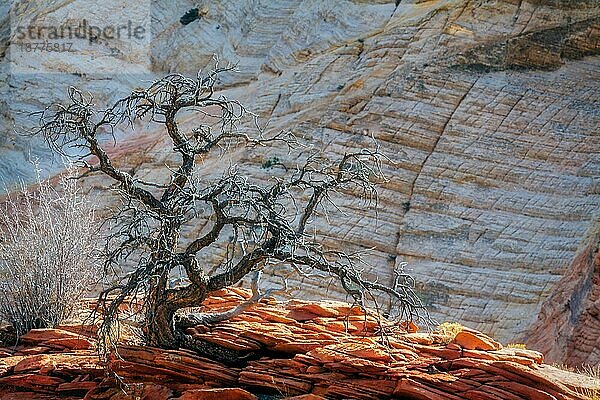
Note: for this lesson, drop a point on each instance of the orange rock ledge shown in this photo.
(295, 350)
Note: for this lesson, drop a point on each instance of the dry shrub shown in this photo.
(448, 331)
(593, 371)
(48, 253)
(592, 391)
(521, 346)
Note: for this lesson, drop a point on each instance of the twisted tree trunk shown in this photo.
(160, 331)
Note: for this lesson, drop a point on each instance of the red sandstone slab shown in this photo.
(473, 340)
(37, 336)
(32, 381)
(217, 394)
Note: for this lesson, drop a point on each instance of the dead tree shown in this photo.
(257, 222)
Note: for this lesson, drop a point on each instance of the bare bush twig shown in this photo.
(48, 253)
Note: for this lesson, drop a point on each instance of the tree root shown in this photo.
(214, 351)
(189, 320)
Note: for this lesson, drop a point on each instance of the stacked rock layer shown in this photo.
(488, 112)
(327, 350)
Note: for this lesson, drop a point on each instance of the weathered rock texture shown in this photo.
(489, 112)
(328, 350)
(569, 320)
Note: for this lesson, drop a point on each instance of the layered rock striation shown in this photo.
(326, 350)
(566, 328)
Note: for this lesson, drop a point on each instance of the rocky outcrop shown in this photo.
(488, 113)
(328, 350)
(567, 326)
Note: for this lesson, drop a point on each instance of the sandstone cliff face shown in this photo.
(489, 112)
(567, 325)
